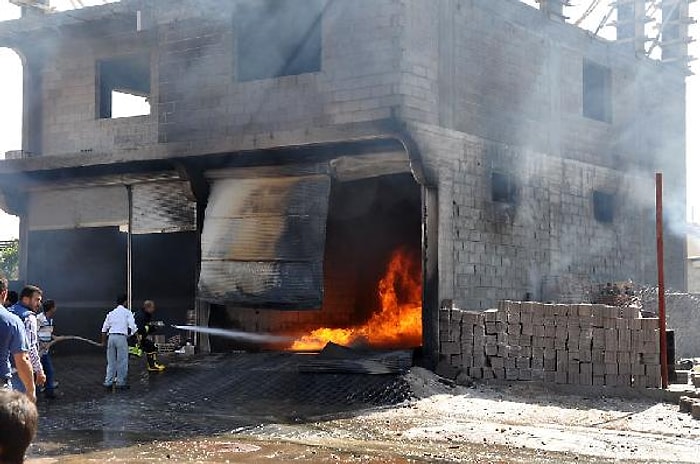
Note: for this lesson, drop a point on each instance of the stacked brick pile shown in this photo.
(580, 344)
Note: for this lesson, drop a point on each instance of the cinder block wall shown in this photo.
(578, 344)
(548, 242)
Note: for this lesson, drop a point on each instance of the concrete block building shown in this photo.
(288, 148)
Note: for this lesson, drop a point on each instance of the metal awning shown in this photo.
(263, 242)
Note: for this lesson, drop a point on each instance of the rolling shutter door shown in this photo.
(263, 242)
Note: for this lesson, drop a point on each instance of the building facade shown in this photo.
(285, 153)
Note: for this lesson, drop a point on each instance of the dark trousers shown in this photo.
(148, 346)
(48, 370)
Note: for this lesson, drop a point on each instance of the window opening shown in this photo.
(124, 86)
(503, 189)
(277, 38)
(603, 206)
(596, 92)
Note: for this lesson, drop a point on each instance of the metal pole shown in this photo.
(130, 202)
(660, 267)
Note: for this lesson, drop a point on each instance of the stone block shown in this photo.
(598, 380)
(524, 374)
(512, 373)
(561, 311)
(550, 331)
(624, 369)
(585, 310)
(497, 362)
(585, 356)
(446, 370)
(561, 377)
(611, 339)
(695, 410)
(598, 338)
(598, 356)
(610, 357)
(685, 404)
(598, 369)
(522, 363)
(549, 377)
(650, 323)
(449, 348)
(611, 369)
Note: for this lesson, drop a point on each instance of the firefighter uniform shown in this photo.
(144, 344)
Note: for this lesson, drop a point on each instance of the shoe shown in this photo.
(108, 386)
(51, 396)
(156, 368)
(123, 387)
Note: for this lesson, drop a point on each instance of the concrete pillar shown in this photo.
(554, 8)
(631, 18)
(674, 35)
(33, 7)
(32, 102)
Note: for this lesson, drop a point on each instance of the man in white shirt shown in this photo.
(118, 326)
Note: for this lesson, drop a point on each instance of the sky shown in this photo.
(11, 95)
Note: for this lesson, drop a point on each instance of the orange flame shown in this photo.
(397, 324)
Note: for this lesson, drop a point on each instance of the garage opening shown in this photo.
(372, 281)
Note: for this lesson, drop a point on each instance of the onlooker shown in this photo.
(118, 326)
(14, 346)
(45, 321)
(18, 424)
(26, 309)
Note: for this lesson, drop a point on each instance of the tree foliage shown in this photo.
(9, 260)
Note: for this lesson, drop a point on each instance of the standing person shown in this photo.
(18, 423)
(118, 326)
(13, 345)
(146, 327)
(45, 321)
(26, 309)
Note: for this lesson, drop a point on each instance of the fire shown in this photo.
(397, 323)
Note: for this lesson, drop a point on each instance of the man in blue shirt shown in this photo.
(13, 343)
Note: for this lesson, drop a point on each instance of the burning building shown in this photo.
(302, 166)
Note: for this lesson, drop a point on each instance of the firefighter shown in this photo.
(145, 328)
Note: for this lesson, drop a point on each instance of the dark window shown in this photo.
(124, 86)
(603, 206)
(596, 92)
(502, 188)
(277, 38)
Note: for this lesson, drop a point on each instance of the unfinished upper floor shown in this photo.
(161, 78)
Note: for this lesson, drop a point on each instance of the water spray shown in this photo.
(235, 334)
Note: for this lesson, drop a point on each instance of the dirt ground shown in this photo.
(504, 423)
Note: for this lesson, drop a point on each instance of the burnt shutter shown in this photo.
(263, 242)
(162, 207)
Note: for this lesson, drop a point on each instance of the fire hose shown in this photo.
(63, 338)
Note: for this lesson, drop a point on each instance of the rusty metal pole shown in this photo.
(660, 267)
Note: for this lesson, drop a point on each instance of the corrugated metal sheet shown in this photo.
(263, 242)
(162, 207)
(78, 207)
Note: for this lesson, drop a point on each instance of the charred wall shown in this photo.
(85, 269)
